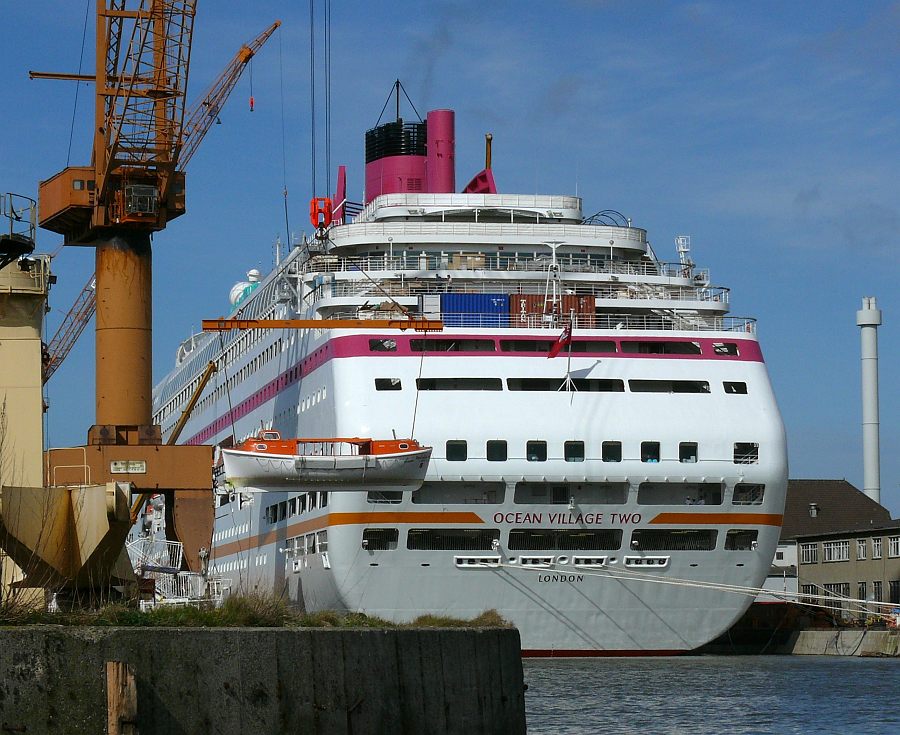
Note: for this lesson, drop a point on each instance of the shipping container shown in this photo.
(430, 305)
(475, 309)
(529, 310)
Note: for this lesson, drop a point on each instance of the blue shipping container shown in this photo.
(475, 309)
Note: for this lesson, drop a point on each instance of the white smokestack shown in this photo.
(868, 319)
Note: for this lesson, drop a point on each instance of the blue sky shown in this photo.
(768, 131)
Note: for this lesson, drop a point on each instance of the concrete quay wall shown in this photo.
(256, 680)
(843, 643)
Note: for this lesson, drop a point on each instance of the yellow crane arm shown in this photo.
(76, 319)
(205, 112)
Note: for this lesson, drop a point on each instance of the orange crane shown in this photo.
(199, 119)
(132, 188)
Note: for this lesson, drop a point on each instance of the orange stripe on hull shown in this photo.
(344, 519)
(719, 519)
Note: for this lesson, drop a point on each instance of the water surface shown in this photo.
(726, 695)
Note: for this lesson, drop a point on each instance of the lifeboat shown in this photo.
(334, 464)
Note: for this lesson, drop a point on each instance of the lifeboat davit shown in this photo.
(267, 460)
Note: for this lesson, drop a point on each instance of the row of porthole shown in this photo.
(310, 401)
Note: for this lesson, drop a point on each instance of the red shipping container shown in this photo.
(528, 310)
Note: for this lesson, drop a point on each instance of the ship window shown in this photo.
(384, 496)
(382, 345)
(739, 539)
(612, 452)
(582, 385)
(496, 450)
(525, 345)
(449, 493)
(593, 345)
(668, 386)
(457, 450)
(746, 493)
(652, 539)
(746, 453)
(459, 384)
(673, 347)
(536, 451)
(735, 388)
(573, 451)
(388, 384)
(687, 452)
(680, 493)
(452, 539)
(380, 539)
(550, 539)
(584, 493)
(725, 348)
(650, 452)
(452, 345)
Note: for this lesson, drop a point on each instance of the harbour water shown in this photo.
(726, 695)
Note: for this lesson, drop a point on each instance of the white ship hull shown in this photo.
(631, 509)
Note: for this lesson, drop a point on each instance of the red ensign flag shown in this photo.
(564, 340)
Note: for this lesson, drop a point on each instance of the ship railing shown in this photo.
(491, 201)
(421, 287)
(669, 321)
(567, 262)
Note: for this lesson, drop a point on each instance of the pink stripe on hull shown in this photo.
(357, 345)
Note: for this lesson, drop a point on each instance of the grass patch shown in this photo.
(238, 611)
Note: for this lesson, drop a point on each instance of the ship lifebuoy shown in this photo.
(320, 212)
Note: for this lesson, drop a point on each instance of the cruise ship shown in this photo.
(608, 465)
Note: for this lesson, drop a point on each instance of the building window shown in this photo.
(894, 591)
(876, 548)
(573, 451)
(808, 593)
(836, 551)
(456, 450)
(496, 450)
(861, 548)
(536, 451)
(876, 591)
(836, 595)
(893, 546)
(860, 590)
(809, 553)
(612, 452)
(649, 451)
(746, 452)
(687, 452)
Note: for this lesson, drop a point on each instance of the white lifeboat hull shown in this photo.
(334, 473)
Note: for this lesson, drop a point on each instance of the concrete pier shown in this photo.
(266, 681)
